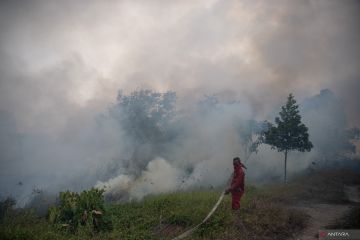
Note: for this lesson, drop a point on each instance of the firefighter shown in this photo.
(237, 184)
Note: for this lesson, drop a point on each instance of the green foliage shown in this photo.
(164, 217)
(264, 213)
(147, 119)
(16, 234)
(289, 133)
(145, 114)
(6, 206)
(86, 209)
(41, 201)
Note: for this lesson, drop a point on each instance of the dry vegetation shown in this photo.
(264, 214)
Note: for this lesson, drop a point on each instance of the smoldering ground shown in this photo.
(62, 65)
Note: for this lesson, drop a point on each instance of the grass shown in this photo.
(325, 186)
(263, 213)
(165, 216)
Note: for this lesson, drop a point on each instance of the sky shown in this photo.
(62, 63)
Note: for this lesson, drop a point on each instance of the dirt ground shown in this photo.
(322, 215)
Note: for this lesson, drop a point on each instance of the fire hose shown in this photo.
(191, 230)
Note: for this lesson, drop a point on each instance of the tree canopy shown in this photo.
(146, 114)
(289, 133)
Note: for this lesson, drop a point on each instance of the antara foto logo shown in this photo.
(322, 234)
(338, 234)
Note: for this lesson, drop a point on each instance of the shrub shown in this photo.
(41, 201)
(6, 206)
(85, 209)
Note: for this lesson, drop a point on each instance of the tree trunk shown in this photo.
(286, 152)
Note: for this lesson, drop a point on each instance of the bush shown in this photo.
(41, 201)
(85, 209)
(6, 206)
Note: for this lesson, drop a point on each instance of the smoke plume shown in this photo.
(62, 65)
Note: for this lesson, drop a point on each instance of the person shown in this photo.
(237, 184)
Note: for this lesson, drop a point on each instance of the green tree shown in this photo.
(289, 133)
(147, 119)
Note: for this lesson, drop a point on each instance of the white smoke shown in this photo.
(62, 64)
(158, 177)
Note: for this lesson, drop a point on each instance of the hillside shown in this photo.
(268, 212)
